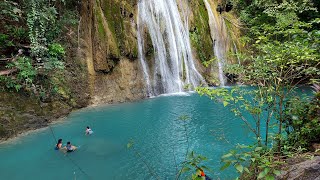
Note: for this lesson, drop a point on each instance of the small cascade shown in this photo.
(173, 68)
(219, 36)
(236, 51)
(143, 61)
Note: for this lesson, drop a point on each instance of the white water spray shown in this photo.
(173, 68)
(219, 36)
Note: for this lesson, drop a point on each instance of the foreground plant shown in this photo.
(261, 161)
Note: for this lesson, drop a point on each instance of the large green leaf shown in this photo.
(276, 172)
(226, 156)
(226, 165)
(261, 175)
(239, 167)
(269, 177)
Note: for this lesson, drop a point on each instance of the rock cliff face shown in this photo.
(19, 113)
(109, 47)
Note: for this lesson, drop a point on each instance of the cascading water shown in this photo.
(218, 33)
(173, 69)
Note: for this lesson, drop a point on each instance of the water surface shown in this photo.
(153, 125)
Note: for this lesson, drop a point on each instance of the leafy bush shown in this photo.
(55, 53)
(25, 76)
(36, 25)
(303, 122)
(262, 161)
(9, 11)
(4, 41)
(196, 39)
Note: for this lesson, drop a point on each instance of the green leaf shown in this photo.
(185, 169)
(225, 103)
(269, 177)
(276, 172)
(246, 170)
(16, 11)
(129, 145)
(203, 158)
(261, 175)
(266, 170)
(226, 156)
(258, 149)
(226, 165)
(239, 167)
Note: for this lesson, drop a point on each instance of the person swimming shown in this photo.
(70, 148)
(202, 175)
(89, 131)
(59, 144)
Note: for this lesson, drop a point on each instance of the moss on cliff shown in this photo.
(120, 18)
(234, 34)
(101, 28)
(200, 31)
(20, 112)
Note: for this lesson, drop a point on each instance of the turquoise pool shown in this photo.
(153, 125)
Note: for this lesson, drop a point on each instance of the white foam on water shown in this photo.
(176, 94)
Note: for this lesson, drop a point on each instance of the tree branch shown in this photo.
(8, 72)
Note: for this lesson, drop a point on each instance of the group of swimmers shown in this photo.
(69, 147)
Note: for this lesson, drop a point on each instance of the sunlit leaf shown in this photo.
(239, 167)
(261, 175)
(226, 156)
(269, 177)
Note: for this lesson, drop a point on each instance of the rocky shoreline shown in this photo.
(22, 134)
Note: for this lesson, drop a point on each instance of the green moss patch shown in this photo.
(200, 31)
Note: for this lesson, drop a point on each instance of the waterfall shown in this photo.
(236, 51)
(173, 69)
(218, 33)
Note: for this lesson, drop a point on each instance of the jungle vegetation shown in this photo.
(33, 42)
(281, 39)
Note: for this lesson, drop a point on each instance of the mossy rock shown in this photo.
(119, 16)
(3, 132)
(200, 31)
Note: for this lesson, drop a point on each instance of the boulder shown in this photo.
(306, 170)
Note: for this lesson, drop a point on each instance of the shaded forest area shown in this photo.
(41, 75)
